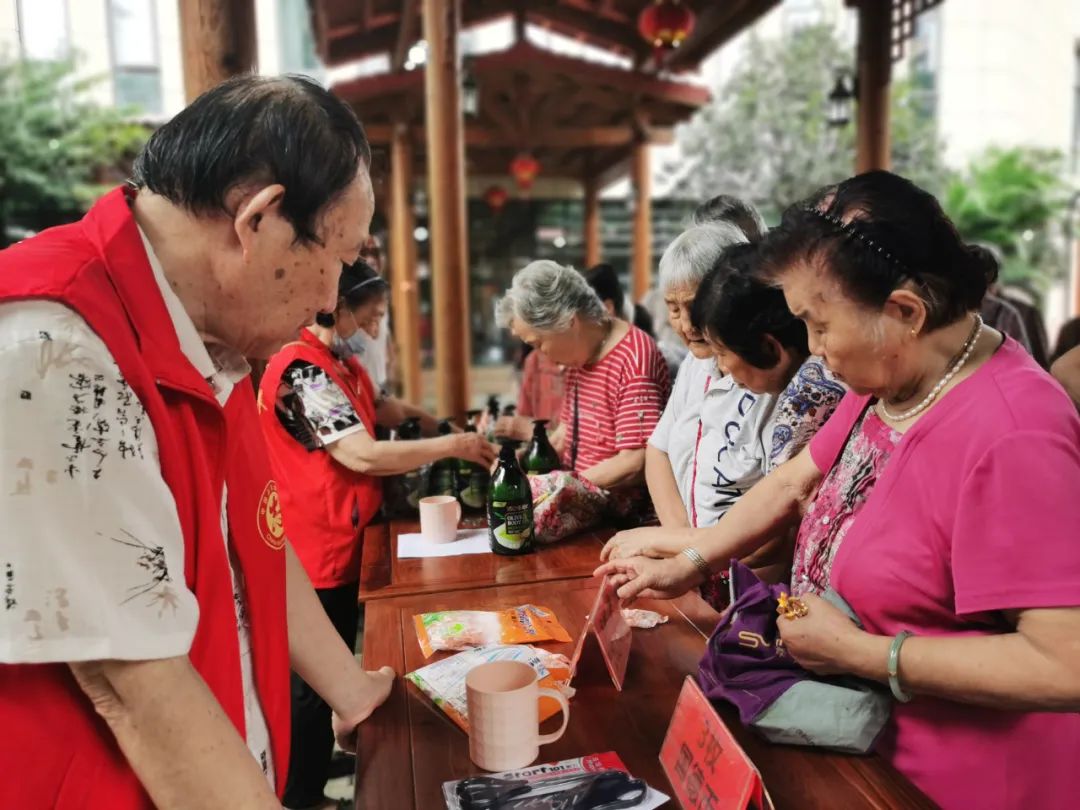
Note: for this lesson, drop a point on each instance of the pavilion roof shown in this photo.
(347, 30)
(578, 118)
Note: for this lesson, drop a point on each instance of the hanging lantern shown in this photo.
(841, 99)
(496, 197)
(524, 169)
(665, 24)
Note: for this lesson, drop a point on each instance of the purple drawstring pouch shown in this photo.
(747, 666)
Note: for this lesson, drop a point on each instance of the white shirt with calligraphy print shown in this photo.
(92, 555)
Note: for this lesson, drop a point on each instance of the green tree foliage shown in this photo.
(1013, 199)
(58, 150)
(765, 136)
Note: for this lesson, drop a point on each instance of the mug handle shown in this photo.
(457, 522)
(544, 739)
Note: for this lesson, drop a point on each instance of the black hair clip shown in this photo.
(851, 229)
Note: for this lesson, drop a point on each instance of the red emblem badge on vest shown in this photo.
(271, 525)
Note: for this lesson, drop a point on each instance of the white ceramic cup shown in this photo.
(439, 518)
(504, 715)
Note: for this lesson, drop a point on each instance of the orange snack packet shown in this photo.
(466, 629)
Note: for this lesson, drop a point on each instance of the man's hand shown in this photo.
(375, 692)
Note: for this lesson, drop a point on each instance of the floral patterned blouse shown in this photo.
(839, 498)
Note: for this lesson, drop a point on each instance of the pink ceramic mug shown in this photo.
(439, 518)
(504, 715)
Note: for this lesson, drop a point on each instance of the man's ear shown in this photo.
(252, 213)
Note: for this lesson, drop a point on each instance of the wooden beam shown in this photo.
(591, 225)
(446, 205)
(404, 288)
(569, 20)
(358, 44)
(874, 49)
(406, 35)
(641, 274)
(356, 41)
(569, 138)
(217, 39)
(716, 24)
(531, 59)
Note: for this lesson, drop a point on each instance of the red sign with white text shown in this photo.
(707, 768)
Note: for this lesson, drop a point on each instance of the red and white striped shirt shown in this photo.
(619, 401)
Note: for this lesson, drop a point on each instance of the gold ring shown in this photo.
(791, 607)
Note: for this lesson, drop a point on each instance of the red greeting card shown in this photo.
(707, 768)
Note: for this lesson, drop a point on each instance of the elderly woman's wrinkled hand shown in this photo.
(514, 427)
(474, 447)
(644, 577)
(824, 640)
(644, 542)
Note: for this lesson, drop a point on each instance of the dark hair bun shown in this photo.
(978, 271)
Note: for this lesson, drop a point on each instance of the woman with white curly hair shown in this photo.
(617, 382)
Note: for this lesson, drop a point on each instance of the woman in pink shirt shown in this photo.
(939, 501)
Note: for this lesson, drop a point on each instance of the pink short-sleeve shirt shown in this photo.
(977, 511)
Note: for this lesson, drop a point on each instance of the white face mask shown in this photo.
(352, 346)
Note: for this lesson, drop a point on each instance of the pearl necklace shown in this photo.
(965, 353)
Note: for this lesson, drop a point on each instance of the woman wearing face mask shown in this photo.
(357, 334)
(318, 410)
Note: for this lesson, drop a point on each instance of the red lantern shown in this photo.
(665, 24)
(524, 169)
(496, 197)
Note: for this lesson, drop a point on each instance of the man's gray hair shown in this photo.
(693, 253)
(545, 296)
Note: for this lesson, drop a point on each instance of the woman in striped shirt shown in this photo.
(617, 382)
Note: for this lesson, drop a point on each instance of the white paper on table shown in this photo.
(469, 541)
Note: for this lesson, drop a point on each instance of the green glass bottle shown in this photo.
(493, 416)
(472, 479)
(414, 481)
(510, 507)
(444, 472)
(540, 456)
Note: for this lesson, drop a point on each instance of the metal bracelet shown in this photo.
(894, 666)
(695, 557)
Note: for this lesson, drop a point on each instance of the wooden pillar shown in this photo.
(875, 73)
(591, 225)
(446, 205)
(217, 39)
(641, 273)
(404, 289)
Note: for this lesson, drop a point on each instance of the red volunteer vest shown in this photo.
(55, 750)
(325, 505)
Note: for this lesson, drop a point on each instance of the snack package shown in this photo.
(444, 681)
(465, 629)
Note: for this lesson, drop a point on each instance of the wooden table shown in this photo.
(383, 575)
(408, 748)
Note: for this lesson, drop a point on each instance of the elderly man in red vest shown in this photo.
(152, 606)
